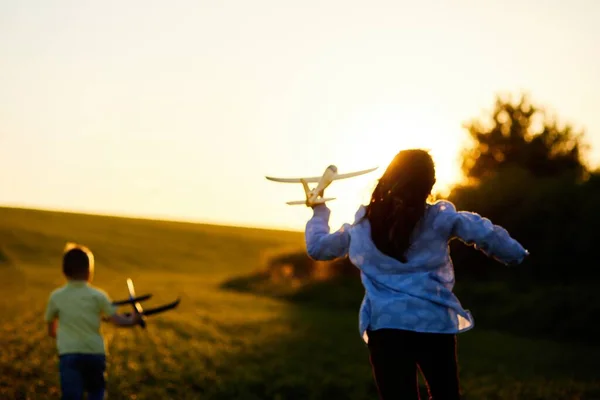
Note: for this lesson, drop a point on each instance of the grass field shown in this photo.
(222, 344)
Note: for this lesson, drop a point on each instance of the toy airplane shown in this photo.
(315, 196)
(137, 307)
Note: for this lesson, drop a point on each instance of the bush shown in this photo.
(554, 218)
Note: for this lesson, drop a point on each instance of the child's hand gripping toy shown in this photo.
(138, 310)
(314, 196)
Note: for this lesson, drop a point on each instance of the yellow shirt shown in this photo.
(79, 307)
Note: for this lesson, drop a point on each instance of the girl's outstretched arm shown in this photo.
(320, 244)
(493, 240)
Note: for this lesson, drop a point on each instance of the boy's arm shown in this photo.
(111, 315)
(50, 316)
(125, 320)
(52, 328)
(320, 244)
(492, 240)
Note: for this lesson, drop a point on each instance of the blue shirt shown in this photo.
(415, 295)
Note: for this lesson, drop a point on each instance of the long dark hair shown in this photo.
(399, 201)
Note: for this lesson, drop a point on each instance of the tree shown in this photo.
(521, 134)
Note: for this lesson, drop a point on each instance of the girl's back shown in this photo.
(415, 294)
(409, 316)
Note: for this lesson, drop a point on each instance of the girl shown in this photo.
(409, 316)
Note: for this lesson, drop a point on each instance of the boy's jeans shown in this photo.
(80, 373)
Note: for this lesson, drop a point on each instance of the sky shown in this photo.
(179, 109)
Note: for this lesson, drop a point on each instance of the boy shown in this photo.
(79, 308)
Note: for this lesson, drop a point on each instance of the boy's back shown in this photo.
(79, 308)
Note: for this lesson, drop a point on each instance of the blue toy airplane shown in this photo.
(137, 307)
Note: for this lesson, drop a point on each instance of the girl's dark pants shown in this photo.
(396, 354)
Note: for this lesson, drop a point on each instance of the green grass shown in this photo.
(226, 344)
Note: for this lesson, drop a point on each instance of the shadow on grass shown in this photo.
(232, 345)
(4, 260)
(325, 358)
(304, 354)
(289, 274)
(516, 308)
(341, 293)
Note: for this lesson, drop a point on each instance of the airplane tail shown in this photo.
(296, 203)
(307, 193)
(303, 202)
(306, 188)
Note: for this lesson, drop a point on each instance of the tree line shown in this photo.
(527, 172)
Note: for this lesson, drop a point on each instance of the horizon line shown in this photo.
(147, 217)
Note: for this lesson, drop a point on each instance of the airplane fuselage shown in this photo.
(324, 182)
(315, 196)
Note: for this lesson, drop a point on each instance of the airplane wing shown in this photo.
(134, 301)
(352, 174)
(318, 178)
(294, 180)
(160, 309)
(131, 301)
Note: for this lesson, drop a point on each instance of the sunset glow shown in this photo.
(179, 111)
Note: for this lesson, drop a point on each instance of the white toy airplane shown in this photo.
(315, 196)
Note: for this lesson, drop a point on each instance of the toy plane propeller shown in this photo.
(315, 196)
(137, 307)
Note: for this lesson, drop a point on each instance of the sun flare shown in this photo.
(373, 139)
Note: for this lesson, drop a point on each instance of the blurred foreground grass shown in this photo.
(223, 344)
